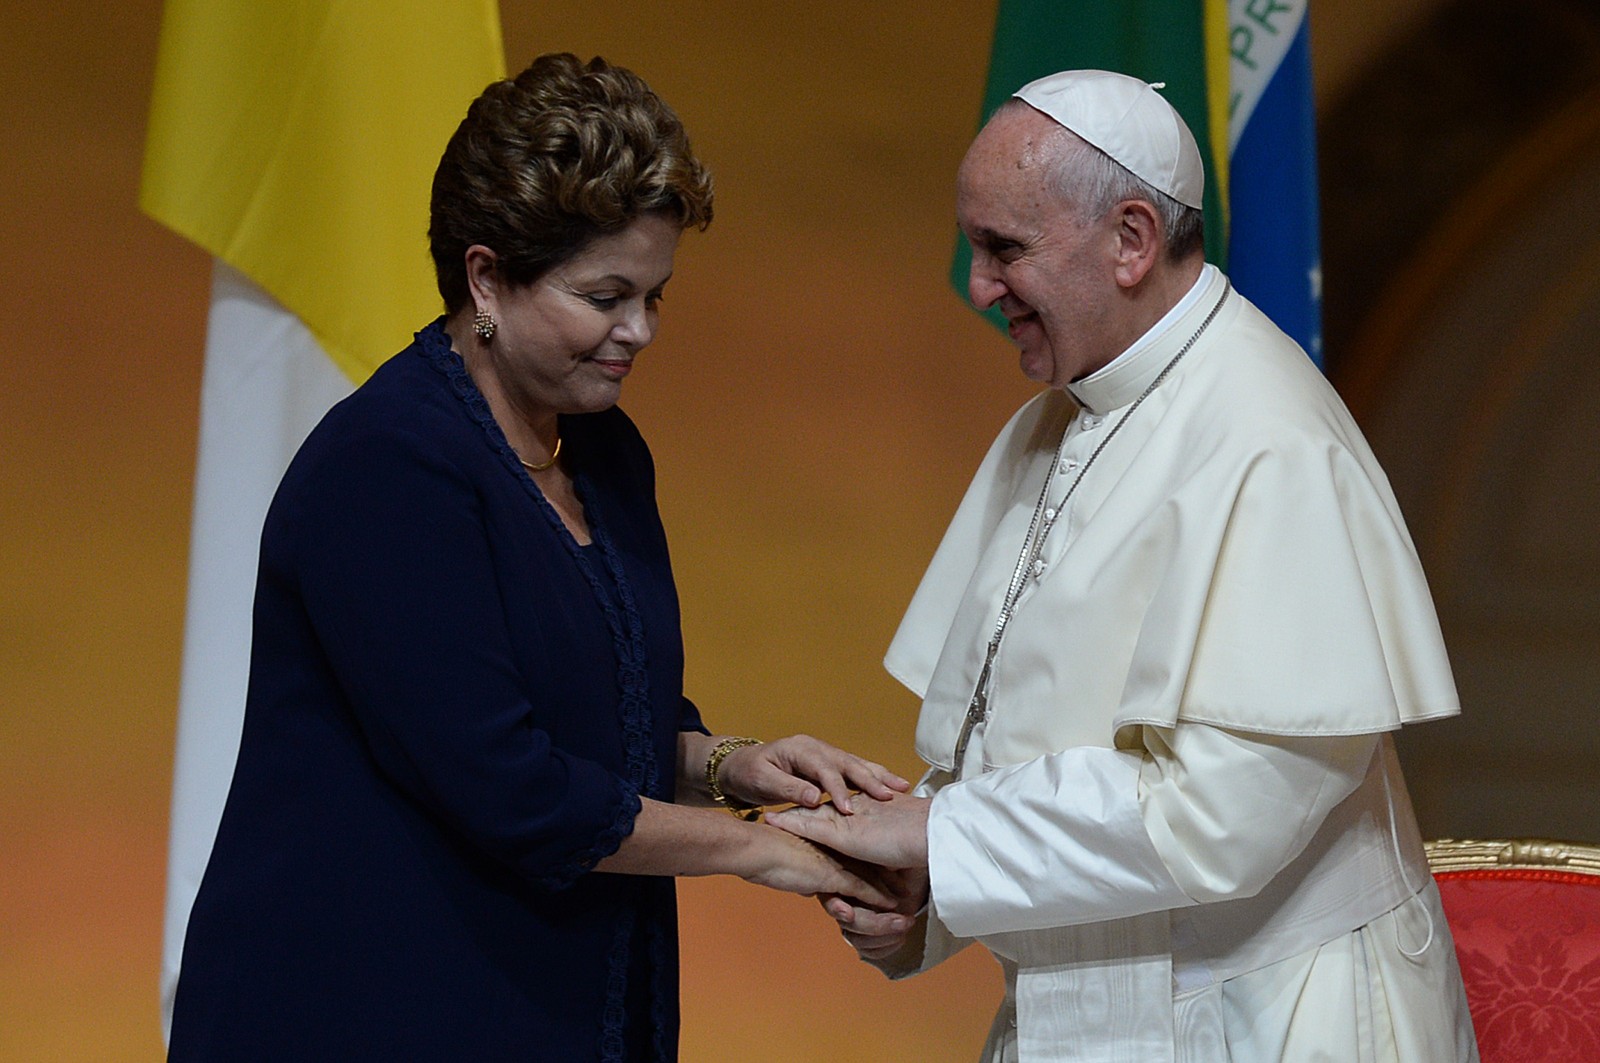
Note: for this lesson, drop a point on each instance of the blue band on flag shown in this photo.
(1274, 246)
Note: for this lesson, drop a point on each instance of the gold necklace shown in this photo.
(541, 467)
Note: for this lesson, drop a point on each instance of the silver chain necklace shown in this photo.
(1044, 518)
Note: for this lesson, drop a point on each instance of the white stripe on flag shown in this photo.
(1259, 35)
(267, 382)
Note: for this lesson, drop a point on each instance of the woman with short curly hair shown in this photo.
(468, 771)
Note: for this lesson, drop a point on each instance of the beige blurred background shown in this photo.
(816, 402)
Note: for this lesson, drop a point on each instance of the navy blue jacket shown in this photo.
(453, 708)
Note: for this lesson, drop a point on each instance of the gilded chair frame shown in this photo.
(1517, 854)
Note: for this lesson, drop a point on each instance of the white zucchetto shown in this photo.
(1128, 120)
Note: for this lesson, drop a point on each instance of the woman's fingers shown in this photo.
(846, 772)
(801, 769)
(784, 786)
(832, 780)
(764, 775)
(876, 781)
(807, 758)
(840, 773)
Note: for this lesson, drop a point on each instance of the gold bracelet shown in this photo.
(714, 782)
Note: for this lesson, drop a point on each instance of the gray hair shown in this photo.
(1095, 182)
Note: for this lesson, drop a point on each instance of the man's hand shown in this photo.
(800, 770)
(878, 935)
(891, 832)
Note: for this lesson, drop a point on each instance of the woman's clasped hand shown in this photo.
(801, 770)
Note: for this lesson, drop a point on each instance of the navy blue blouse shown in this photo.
(453, 710)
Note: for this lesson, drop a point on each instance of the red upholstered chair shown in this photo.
(1525, 916)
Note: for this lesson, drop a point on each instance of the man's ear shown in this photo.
(483, 277)
(1141, 241)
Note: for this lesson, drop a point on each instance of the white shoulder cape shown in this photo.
(1234, 557)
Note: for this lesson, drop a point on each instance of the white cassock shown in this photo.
(1181, 826)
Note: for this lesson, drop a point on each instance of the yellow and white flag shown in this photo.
(295, 141)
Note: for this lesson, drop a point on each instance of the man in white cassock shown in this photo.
(1161, 650)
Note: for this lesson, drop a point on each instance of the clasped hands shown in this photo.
(881, 826)
(890, 833)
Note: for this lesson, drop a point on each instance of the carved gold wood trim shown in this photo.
(1522, 854)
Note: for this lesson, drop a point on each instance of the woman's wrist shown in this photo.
(714, 781)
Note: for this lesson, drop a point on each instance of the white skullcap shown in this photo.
(1129, 121)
